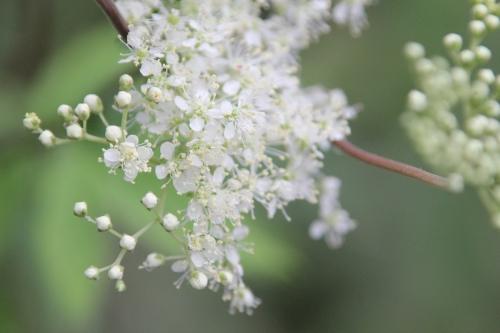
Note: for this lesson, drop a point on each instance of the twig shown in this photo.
(120, 24)
(391, 165)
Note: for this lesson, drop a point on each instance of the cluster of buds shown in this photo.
(453, 116)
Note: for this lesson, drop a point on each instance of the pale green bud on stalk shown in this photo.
(128, 242)
(47, 138)
(92, 273)
(453, 42)
(483, 54)
(414, 51)
(114, 134)
(82, 111)
(198, 280)
(150, 200)
(80, 209)
(74, 131)
(477, 28)
(123, 99)
(116, 272)
(155, 94)
(66, 112)
(487, 76)
(417, 101)
(126, 82)
(94, 102)
(120, 286)
(480, 11)
(103, 223)
(492, 22)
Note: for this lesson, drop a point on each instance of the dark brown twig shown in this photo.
(120, 24)
(391, 165)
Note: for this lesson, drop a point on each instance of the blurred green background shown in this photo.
(421, 261)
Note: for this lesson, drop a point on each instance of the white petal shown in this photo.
(167, 150)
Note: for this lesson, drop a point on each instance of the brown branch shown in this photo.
(391, 165)
(120, 24)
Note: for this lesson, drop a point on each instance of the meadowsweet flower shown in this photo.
(92, 273)
(221, 116)
(130, 156)
(80, 209)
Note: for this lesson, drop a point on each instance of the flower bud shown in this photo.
(492, 22)
(94, 102)
(456, 183)
(126, 82)
(150, 200)
(116, 272)
(80, 209)
(483, 54)
(114, 134)
(120, 286)
(128, 242)
(123, 99)
(170, 222)
(414, 51)
(103, 223)
(477, 28)
(92, 273)
(480, 11)
(31, 121)
(225, 277)
(417, 101)
(82, 110)
(453, 42)
(65, 111)
(153, 260)
(198, 280)
(74, 131)
(487, 76)
(47, 138)
(155, 94)
(467, 57)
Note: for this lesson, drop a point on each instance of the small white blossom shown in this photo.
(130, 156)
(351, 13)
(32, 122)
(153, 260)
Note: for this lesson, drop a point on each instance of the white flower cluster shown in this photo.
(219, 115)
(453, 117)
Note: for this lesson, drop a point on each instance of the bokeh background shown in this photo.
(422, 260)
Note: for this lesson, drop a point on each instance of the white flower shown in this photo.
(170, 222)
(334, 222)
(130, 156)
(80, 209)
(150, 200)
(128, 242)
(243, 300)
(103, 223)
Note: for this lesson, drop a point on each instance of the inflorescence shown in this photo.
(220, 116)
(453, 116)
